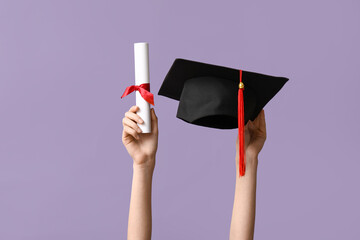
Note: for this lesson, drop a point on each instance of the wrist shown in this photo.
(147, 166)
(251, 158)
(251, 162)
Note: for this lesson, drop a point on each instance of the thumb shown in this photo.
(154, 121)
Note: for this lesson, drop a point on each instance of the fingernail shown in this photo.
(141, 121)
(139, 130)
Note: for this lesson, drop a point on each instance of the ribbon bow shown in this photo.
(144, 90)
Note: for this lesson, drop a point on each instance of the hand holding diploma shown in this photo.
(141, 147)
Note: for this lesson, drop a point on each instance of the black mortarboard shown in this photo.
(219, 97)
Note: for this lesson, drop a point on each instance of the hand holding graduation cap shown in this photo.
(255, 136)
(140, 146)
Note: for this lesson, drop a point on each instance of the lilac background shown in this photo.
(64, 173)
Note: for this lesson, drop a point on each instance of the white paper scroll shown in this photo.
(141, 56)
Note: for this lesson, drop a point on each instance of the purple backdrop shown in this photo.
(64, 173)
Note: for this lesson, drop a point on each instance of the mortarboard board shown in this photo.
(219, 97)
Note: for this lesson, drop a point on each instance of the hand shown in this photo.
(255, 136)
(140, 146)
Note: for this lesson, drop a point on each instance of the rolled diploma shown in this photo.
(141, 56)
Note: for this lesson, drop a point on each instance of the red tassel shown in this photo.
(242, 161)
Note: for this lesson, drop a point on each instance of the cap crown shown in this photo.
(208, 93)
(212, 102)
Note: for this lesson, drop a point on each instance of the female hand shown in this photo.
(140, 146)
(255, 136)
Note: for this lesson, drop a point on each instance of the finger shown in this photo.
(131, 132)
(131, 124)
(262, 124)
(134, 109)
(134, 117)
(249, 125)
(125, 135)
(153, 115)
(154, 121)
(260, 117)
(258, 120)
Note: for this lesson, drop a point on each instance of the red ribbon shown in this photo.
(241, 121)
(144, 90)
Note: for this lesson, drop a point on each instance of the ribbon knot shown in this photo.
(144, 90)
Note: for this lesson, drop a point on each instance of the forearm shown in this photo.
(243, 215)
(139, 225)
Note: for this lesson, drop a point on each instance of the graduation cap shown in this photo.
(219, 97)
